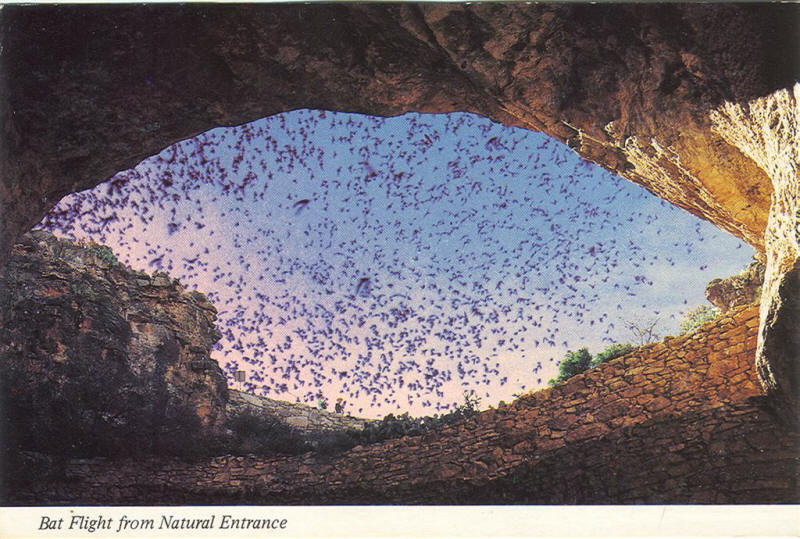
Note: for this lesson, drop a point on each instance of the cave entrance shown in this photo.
(402, 264)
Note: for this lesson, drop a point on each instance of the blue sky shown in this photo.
(400, 262)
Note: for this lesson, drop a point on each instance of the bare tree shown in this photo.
(644, 331)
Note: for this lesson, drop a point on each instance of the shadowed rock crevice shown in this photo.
(781, 346)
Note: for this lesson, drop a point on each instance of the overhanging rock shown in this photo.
(628, 87)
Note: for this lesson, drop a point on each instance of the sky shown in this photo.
(400, 262)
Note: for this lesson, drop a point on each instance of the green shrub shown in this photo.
(392, 426)
(262, 435)
(612, 352)
(698, 316)
(572, 364)
(105, 254)
(578, 362)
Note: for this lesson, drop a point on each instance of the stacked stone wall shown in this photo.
(682, 421)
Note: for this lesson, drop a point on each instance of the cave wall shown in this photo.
(767, 129)
(90, 348)
(681, 421)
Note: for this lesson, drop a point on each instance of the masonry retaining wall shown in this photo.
(682, 421)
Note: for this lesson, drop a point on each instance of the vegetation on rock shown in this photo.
(611, 352)
(737, 290)
(104, 253)
(252, 433)
(572, 364)
(577, 362)
(698, 316)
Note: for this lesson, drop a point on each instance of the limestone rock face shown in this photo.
(767, 130)
(299, 416)
(628, 86)
(90, 345)
(737, 290)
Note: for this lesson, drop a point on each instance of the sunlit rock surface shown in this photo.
(737, 290)
(767, 130)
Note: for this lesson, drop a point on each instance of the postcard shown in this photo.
(399, 269)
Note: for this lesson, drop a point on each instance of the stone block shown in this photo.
(630, 392)
(736, 349)
(582, 432)
(298, 421)
(562, 421)
(657, 404)
(550, 444)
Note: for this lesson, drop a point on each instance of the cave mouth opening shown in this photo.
(401, 264)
